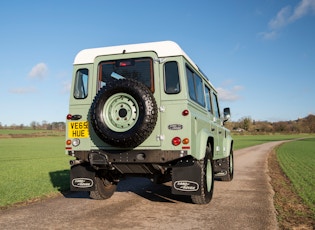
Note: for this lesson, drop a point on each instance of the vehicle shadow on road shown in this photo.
(141, 186)
(154, 192)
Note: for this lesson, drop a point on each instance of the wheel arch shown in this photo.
(203, 139)
(229, 146)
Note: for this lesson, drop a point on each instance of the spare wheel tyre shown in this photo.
(124, 113)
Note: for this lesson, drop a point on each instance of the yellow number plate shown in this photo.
(78, 129)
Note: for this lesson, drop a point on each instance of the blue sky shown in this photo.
(259, 54)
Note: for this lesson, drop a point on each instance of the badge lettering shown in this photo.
(186, 186)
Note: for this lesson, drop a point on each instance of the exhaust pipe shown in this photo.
(75, 162)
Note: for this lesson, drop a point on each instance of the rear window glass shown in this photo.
(81, 84)
(139, 69)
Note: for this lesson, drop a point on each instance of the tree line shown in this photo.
(246, 124)
(44, 125)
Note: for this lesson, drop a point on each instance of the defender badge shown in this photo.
(82, 182)
(186, 186)
(175, 127)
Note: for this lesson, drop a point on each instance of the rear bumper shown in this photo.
(131, 156)
(186, 171)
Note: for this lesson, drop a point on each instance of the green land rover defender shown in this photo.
(145, 110)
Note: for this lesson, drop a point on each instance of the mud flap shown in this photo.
(186, 178)
(82, 178)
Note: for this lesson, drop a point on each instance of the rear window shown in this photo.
(139, 69)
(81, 84)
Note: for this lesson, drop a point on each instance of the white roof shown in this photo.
(162, 49)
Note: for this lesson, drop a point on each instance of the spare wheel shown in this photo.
(124, 113)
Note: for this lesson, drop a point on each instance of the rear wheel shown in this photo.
(230, 166)
(104, 189)
(207, 179)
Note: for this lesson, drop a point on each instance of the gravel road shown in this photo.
(244, 203)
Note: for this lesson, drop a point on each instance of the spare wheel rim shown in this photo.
(120, 112)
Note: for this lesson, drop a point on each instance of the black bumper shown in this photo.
(132, 156)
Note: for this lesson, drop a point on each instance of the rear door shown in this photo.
(141, 67)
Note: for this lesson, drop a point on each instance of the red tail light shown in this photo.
(176, 141)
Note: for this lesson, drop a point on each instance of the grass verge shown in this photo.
(32, 168)
(293, 211)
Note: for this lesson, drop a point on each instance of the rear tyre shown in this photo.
(103, 189)
(230, 166)
(207, 179)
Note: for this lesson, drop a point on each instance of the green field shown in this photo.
(32, 167)
(297, 160)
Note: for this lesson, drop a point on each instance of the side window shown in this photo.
(208, 99)
(81, 84)
(171, 78)
(199, 90)
(195, 87)
(191, 84)
(215, 104)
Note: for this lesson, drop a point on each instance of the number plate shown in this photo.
(78, 129)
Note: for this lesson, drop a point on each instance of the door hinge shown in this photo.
(160, 137)
(160, 60)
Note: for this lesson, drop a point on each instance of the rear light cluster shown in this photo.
(74, 142)
(74, 117)
(185, 141)
(177, 141)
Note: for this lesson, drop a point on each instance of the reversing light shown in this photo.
(185, 112)
(176, 141)
(75, 142)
